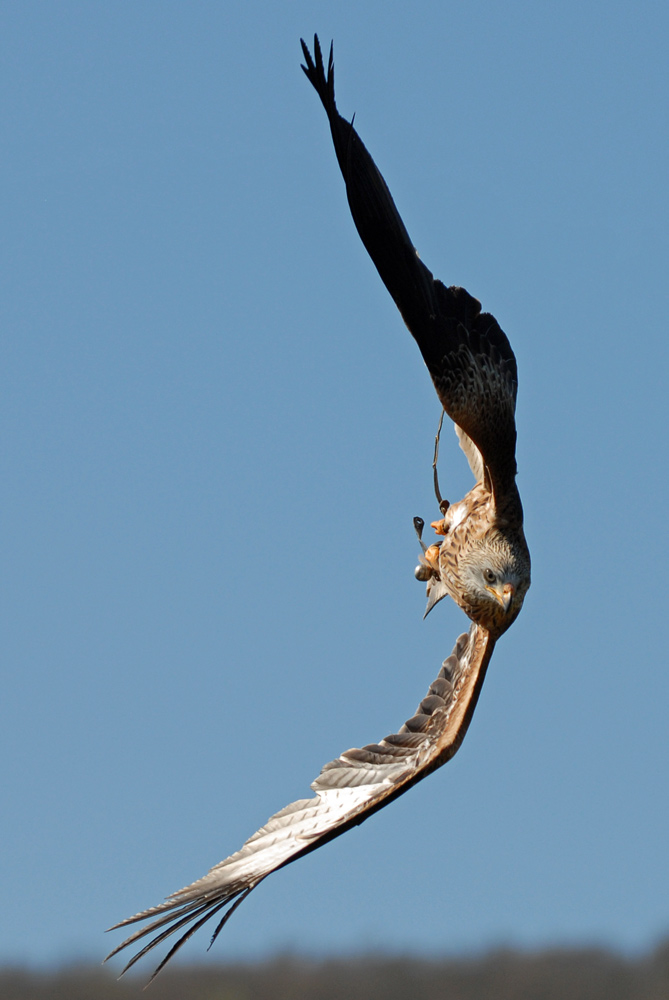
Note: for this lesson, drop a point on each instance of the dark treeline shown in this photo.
(585, 974)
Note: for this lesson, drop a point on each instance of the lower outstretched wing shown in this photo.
(348, 790)
(467, 353)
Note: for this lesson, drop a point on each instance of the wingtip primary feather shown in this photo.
(314, 70)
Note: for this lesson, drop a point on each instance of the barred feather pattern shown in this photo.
(348, 790)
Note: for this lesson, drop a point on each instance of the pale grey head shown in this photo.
(492, 576)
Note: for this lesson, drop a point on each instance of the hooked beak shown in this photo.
(504, 596)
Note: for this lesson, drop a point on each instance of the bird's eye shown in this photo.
(489, 576)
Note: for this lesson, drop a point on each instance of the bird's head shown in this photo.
(494, 577)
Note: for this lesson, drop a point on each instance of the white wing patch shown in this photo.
(277, 841)
(348, 789)
(474, 456)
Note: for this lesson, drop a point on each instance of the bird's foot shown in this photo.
(429, 564)
(429, 560)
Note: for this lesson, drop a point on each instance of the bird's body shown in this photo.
(482, 561)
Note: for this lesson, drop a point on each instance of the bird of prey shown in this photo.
(480, 559)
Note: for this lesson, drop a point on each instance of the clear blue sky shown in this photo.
(216, 431)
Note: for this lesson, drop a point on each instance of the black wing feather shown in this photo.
(467, 353)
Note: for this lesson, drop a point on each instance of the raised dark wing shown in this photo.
(348, 790)
(467, 353)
